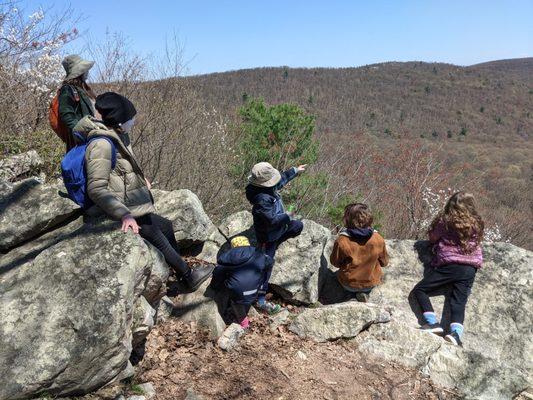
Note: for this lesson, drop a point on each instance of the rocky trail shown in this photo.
(273, 365)
(79, 299)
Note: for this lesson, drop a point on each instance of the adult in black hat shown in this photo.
(120, 190)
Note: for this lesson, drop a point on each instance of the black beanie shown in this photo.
(114, 108)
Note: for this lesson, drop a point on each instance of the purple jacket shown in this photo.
(447, 250)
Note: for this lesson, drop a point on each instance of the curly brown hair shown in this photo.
(357, 215)
(460, 216)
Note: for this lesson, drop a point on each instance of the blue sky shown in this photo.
(225, 35)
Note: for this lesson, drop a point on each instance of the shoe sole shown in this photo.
(436, 331)
(451, 340)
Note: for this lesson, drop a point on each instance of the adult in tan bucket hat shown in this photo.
(76, 66)
(76, 98)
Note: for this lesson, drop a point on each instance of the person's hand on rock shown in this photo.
(129, 222)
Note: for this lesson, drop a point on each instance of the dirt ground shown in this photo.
(179, 357)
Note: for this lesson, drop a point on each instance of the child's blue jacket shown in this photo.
(242, 270)
(270, 218)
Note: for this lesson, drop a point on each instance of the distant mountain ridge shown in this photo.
(489, 101)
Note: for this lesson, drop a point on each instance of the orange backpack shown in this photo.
(62, 131)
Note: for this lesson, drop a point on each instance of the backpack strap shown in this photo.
(75, 94)
(113, 148)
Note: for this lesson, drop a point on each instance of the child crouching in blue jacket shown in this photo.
(272, 224)
(241, 270)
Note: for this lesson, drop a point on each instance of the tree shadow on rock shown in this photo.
(424, 251)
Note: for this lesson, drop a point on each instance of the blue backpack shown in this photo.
(74, 174)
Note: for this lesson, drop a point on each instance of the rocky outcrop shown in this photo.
(75, 298)
(19, 165)
(498, 326)
(28, 208)
(67, 314)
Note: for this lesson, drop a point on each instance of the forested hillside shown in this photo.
(467, 127)
(485, 102)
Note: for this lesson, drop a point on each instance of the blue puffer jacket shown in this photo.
(241, 270)
(270, 219)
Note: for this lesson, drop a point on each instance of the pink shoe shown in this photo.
(245, 323)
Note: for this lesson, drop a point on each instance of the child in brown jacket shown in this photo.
(359, 253)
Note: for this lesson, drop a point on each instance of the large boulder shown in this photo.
(202, 307)
(300, 263)
(344, 320)
(19, 165)
(192, 226)
(30, 208)
(498, 324)
(67, 312)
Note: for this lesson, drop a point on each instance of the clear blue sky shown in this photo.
(223, 35)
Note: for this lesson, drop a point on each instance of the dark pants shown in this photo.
(459, 277)
(159, 232)
(294, 229)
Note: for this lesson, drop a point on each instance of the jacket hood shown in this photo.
(358, 234)
(253, 191)
(89, 126)
(236, 256)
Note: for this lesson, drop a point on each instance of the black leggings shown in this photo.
(459, 277)
(159, 232)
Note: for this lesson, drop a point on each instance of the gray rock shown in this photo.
(156, 286)
(137, 397)
(67, 314)
(299, 263)
(19, 165)
(474, 374)
(230, 337)
(279, 319)
(143, 321)
(30, 208)
(336, 321)
(191, 224)
(395, 341)
(148, 389)
(201, 308)
(238, 224)
(164, 309)
(211, 246)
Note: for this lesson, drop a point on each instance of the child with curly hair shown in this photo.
(456, 234)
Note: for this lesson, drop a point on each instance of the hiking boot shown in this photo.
(197, 276)
(433, 328)
(269, 308)
(362, 297)
(454, 339)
